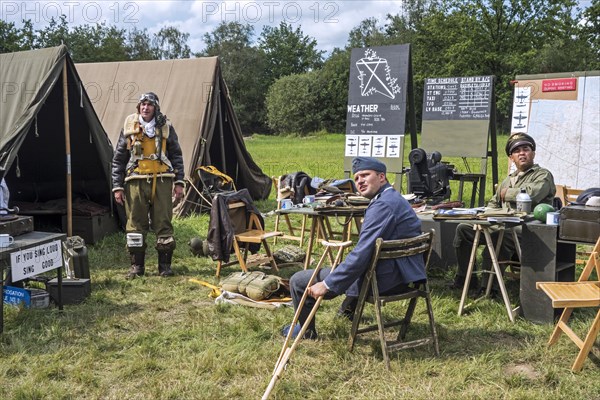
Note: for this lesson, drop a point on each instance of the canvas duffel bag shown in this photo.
(256, 284)
(289, 254)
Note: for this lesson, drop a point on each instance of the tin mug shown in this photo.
(6, 240)
(308, 199)
(286, 204)
(552, 218)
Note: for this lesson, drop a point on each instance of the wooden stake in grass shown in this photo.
(287, 350)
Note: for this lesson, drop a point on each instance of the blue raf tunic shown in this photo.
(390, 217)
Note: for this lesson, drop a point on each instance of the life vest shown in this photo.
(147, 154)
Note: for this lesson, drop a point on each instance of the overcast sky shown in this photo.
(329, 22)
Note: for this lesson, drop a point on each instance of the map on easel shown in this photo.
(561, 112)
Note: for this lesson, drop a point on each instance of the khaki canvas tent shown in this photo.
(194, 97)
(56, 168)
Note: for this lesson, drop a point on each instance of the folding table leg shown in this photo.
(498, 273)
(465, 291)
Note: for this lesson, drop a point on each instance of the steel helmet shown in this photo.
(198, 247)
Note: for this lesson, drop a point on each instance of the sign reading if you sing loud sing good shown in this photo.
(36, 260)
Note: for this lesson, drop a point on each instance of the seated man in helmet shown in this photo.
(537, 182)
(147, 172)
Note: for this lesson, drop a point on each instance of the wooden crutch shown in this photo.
(286, 350)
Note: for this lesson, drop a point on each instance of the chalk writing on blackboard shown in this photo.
(458, 98)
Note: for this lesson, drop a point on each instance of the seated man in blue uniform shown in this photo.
(388, 216)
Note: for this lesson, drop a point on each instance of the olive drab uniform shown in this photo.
(146, 167)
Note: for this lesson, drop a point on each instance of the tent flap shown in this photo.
(33, 156)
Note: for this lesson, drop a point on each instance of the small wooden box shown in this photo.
(93, 228)
(22, 224)
(579, 223)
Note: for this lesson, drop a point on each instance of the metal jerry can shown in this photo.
(76, 258)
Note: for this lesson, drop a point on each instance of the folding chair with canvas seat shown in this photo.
(293, 230)
(571, 295)
(243, 232)
(210, 182)
(369, 293)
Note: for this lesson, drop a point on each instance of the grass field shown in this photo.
(155, 338)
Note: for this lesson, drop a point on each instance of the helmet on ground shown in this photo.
(198, 247)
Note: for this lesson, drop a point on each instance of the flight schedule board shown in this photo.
(457, 115)
(376, 111)
(461, 98)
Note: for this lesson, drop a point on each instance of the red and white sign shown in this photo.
(559, 85)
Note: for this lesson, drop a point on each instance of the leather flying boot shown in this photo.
(164, 263)
(137, 265)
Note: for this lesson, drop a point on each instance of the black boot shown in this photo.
(137, 265)
(459, 283)
(164, 263)
(348, 307)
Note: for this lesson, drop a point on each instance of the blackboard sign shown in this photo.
(377, 97)
(461, 98)
(377, 90)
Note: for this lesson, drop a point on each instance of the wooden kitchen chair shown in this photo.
(571, 295)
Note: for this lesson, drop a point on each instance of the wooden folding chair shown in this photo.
(571, 295)
(248, 230)
(567, 194)
(369, 293)
(295, 232)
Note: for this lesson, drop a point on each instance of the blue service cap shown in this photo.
(367, 163)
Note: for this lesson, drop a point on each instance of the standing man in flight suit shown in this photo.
(147, 173)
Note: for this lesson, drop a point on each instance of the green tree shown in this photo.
(590, 33)
(55, 34)
(139, 46)
(493, 37)
(288, 51)
(243, 68)
(170, 43)
(10, 37)
(367, 33)
(293, 104)
(27, 36)
(333, 86)
(97, 43)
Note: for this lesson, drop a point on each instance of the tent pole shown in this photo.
(220, 116)
(68, 151)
